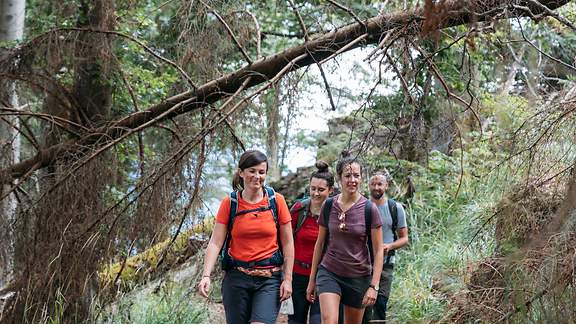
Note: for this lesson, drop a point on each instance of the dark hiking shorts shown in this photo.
(351, 290)
(250, 299)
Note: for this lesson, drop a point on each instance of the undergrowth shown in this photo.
(170, 304)
(445, 220)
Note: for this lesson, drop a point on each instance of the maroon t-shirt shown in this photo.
(347, 251)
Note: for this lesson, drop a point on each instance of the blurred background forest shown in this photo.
(121, 121)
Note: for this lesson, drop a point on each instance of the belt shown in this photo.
(259, 272)
(303, 264)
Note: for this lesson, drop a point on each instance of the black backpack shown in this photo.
(226, 259)
(367, 220)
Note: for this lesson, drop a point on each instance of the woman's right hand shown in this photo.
(204, 286)
(311, 291)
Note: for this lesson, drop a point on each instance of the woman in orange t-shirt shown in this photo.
(260, 273)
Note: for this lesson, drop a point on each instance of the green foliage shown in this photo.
(171, 304)
(443, 232)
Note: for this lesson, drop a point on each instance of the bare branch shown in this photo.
(551, 13)
(258, 32)
(133, 39)
(459, 12)
(271, 33)
(345, 48)
(29, 137)
(572, 67)
(411, 99)
(229, 31)
(350, 12)
(322, 73)
(381, 44)
(58, 121)
(199, 136)
(327, 86)
(300, 20)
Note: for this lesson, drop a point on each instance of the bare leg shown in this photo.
(329, 303)
(353, 315)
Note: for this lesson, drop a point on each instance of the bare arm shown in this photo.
(378, 248)
(214, 246)
(402, 238)
(400, 241)
(288, 250)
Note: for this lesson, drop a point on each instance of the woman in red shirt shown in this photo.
(261, 250)
(305, 225)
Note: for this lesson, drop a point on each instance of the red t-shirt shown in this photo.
(305, 239)
(254, 235)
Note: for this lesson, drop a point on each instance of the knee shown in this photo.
(329, 318)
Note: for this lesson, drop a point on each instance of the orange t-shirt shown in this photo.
(254, 236)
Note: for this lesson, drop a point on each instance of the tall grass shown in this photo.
(447, 233)
(171, 304)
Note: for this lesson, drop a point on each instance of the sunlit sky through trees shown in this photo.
(349, 76)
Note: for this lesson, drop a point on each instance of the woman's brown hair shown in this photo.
(323, 173)
(346, 159)
(248, 159)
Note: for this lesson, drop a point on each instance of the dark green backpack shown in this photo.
(302, 214)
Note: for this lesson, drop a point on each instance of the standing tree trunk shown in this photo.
(273, 120)
(57, 260)
(11, 29)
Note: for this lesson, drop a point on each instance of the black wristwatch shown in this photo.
(374, 287)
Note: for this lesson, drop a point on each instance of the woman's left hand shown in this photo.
(370, 297)
(285, 290)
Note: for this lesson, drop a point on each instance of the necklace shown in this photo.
(342, 216)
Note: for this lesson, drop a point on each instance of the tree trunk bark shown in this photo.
(273, 133)
(55, 273)
(11, 29)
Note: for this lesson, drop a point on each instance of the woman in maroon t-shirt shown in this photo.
(305, 226)
(343, 272)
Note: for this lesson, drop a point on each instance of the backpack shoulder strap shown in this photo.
(233, 209)
(325, 214)
(272, 203)
(326, 210)
(394, 214)
(302, 214)
(226, 259)
(368, 224)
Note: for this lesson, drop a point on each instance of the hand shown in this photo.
(387, 248)
(370, 297)
(311, 291)
(204, 286)
(285, 289)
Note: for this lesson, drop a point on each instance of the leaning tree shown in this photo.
(99, 178)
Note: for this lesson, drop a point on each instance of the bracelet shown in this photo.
(205, 276)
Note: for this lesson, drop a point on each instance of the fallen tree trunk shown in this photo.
(344, 39)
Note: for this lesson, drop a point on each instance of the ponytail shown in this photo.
(237, 181)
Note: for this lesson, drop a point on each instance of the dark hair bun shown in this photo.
(321, 166)
(345, 154)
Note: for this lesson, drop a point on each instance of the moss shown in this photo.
(144, 266)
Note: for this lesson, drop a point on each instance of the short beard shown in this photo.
(376, 194)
